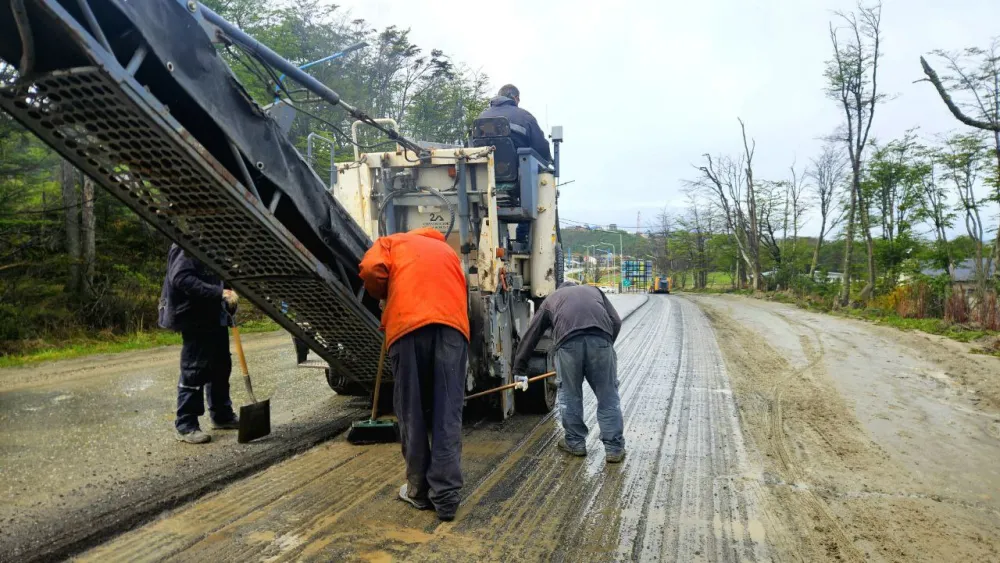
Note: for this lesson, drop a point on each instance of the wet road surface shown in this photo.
(87, 445)
(685, 492)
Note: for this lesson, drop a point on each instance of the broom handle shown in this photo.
(378, 381)
(243, 362)
(509, 386)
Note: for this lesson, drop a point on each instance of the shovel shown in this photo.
(255, 418)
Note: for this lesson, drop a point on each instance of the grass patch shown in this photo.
(931, 326)
(117, 344)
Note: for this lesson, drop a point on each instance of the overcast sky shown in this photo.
(644, 88)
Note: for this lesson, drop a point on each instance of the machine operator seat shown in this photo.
(516, 201)
(495, 132)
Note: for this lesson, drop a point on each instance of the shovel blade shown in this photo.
(255, 421)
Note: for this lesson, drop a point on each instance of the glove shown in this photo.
(231, 299)
(521, 382)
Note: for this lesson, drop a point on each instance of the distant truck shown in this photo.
(661, 284)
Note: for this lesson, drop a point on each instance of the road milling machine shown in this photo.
(139, 97)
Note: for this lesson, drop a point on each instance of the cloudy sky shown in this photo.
(644, 88)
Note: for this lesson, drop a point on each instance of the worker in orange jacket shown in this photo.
(426, 324)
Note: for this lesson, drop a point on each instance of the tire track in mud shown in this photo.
(800, 497)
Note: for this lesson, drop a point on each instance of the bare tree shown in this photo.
(828, 173)
(772, 215)
(852, 77)
(662, 252)
(753, 237)
(724, 177)
(975, 74)
(934, 208)
(699, 224)
(797, 200)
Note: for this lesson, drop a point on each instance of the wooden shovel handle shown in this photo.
(378, 381)
(239, 351)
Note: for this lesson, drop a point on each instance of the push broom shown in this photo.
(374, 431)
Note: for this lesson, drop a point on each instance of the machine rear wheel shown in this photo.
(540, 398)
(344, 386)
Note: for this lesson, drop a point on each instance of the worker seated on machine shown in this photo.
(524, 128)
(524, 133)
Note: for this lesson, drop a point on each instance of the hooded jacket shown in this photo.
(524, 128)
(191, 297)
(570, 310)
(421, 279)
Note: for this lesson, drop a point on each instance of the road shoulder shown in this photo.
(864, 442)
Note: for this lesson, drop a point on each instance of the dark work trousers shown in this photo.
(301, 350)
(590, 358)
(205, 363)
(429, 365)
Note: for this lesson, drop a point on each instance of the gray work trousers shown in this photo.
(590, 357)
(429, 366)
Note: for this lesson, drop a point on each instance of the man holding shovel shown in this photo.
(194, 302)
(426, 324)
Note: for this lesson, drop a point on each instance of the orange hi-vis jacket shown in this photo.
(421, 279)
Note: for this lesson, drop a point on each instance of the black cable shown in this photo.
(394, 193)
(362, 117)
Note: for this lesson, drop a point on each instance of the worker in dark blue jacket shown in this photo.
(524, 128)
(194, 302)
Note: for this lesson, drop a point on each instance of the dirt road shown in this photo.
(873, 444)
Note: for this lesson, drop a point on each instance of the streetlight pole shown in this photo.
(621, 254)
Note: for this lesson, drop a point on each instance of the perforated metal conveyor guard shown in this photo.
(105, 123)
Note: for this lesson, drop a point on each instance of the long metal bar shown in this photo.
(245, 172)
(27, 38)
(95, 28)
(463, 212)
(136, 60)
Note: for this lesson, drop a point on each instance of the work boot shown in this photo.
(446, 514)
(418, 503)
(233, 424)
(578, 452)
(193, 437)
(616, 457)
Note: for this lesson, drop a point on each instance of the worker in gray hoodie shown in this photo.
(584, 328)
